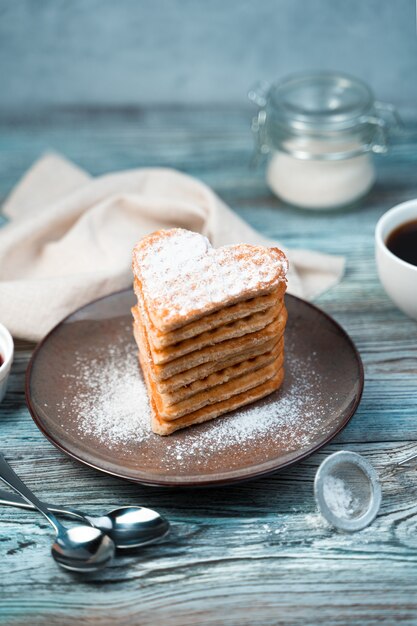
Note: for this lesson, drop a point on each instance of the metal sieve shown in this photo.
(347, 491)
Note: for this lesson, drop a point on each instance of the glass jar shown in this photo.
(319, 131)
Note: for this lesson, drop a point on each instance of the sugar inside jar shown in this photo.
(320, 131)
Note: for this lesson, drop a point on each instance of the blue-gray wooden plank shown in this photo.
(136, 51)
(256, 553)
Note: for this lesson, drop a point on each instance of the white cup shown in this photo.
(6, 351)
(398, 277)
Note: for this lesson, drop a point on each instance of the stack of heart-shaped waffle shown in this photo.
(209, 325)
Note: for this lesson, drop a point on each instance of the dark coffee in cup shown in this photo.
(402, 242)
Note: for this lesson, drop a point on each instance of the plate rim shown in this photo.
(195, 483)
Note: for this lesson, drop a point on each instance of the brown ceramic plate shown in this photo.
(86, 394)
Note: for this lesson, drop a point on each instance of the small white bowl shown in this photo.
(398, 277)
(6, 351)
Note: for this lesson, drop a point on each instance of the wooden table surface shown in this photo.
(256, 553)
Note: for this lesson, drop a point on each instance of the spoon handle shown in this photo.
(8, 475)
(12, 499)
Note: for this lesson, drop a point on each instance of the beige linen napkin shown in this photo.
(70, 238)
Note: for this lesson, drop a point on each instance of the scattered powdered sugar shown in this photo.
(110, 398)
(107, 400)
(316, 521)
(339, 497)
(252, 423)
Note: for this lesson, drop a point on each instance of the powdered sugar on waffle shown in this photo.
(181, 273)
(109, 397)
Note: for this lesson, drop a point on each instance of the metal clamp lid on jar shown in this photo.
(335, 112)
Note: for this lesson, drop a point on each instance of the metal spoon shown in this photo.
(81, 548)
(128, 526)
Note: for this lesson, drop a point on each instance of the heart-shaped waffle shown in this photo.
(183, 277)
